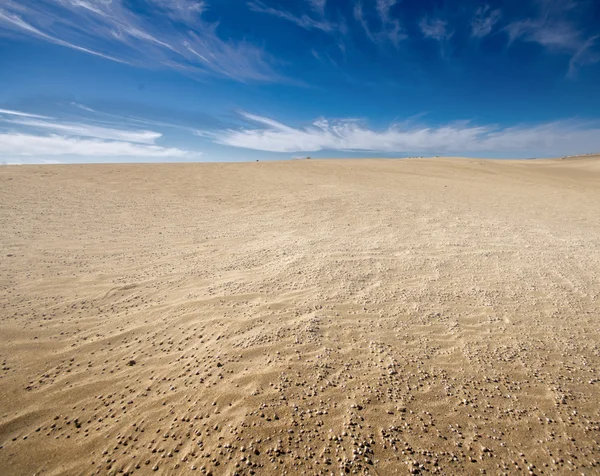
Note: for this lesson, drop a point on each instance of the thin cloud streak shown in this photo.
(114, 32)
(186, 11)
(554, 29)
(303, 21)
(391, 27)
(21, 114)
(19, 144)
(20, 25)
(484, 21)
(586, 54)
(438, 30)
(124, 123)
(33, 135)
(352, 135)
(318, 6)
(30, 161)
(435, 28)
(359, 16)
(87, 130)
(552, 36)
(390, 30)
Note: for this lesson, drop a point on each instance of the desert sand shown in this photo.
(306, 317)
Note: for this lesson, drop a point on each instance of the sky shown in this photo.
(244, 80)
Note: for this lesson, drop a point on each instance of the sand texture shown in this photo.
(374, 317)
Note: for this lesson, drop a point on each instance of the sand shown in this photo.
(305, 317)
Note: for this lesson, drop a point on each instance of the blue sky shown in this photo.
(191, 80)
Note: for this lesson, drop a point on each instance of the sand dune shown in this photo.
(307, 317)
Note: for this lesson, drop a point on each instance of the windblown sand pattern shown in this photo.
(371, 317)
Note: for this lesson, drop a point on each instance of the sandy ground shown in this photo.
(308, 317)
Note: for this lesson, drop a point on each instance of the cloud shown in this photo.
(303, 21)
(187, 11)
(484, 21)
(359, 16)
(111, 30)
(18, 144)
(390, 26)
(559, 36)
(435, 28)
(389, 30)
(17, 23)
(82, 106)
(21, 114)
(555, 29)
(459, 138)
(314, 20)
(32, 135)
(586, 54)
(318, 6)
(87, 130)
(29, 161)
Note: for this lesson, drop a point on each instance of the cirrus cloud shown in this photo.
(20, 144)
(435, 28)
(303, 21)
(10, 112)
(484, 21)
(91, 130)
(458, 138)
(557, 29)
(115, 31)
(24, 134)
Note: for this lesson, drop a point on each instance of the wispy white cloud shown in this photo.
(484, 21)
(558, 36)
(187, 11)
(111, 30)
(359, 16)
(19, 144)
(318, 6)
(89, 130)
(12, 21)
(9, 112)
(129, 122)
(315, 18)
(435, 28)
(82, 106)
(388, 29)
(303, 21)
(458, 138)
(37, 136)
(555, 29)
(391, 27)
(587, 53)
(29, 161)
